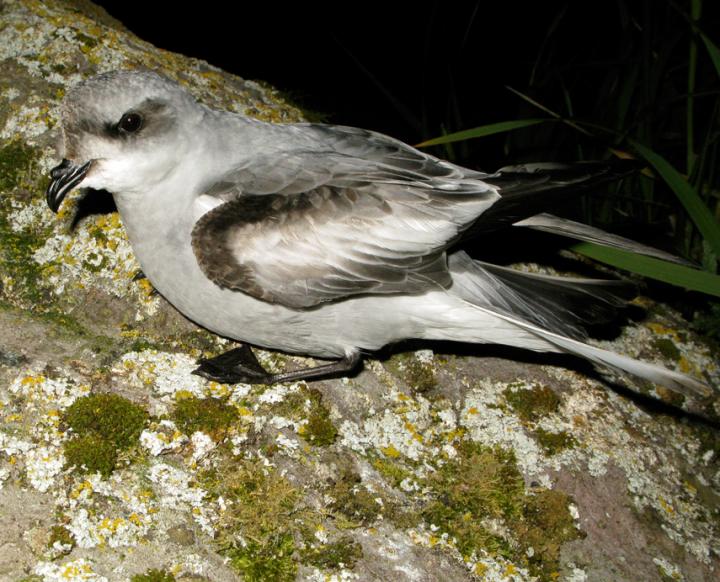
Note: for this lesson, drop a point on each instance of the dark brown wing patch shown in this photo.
(309, 248)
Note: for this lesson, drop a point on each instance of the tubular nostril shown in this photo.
(60, 169)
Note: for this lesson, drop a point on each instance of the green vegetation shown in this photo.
(417, 374)
(210, 415)
(92, 454)
(306, 404)
(391, 470)
(262, 511)
(18, 166)
(554, 442)
(59, 533)
(153, 576)
(482, 486)
(267, 530)
(353, 501)
(667, 348)
(19, 170)
(658, 100)
(319, 429)
(532, 404)
(335, 555)
(104, 425)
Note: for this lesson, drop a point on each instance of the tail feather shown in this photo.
(529, 189)
(537, 307)
(565, 227)
(563, 304)
(674, 380)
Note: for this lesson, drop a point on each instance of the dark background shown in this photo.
(416, 70)
(409, 69)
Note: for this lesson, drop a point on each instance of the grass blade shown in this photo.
(679, 275)
(688, 196)
(548, 110)
(481, 131)
(713, 51)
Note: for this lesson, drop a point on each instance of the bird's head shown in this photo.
(122, 131)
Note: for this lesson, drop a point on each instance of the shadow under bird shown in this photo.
(326, 240)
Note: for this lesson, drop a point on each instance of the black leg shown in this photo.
(241, 365)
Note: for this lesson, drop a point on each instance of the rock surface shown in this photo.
(425, 466)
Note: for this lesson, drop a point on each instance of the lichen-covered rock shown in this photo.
(423, 467)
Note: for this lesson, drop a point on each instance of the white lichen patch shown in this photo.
(96, 255)
(103, 530)
(165, 374)
(202, 445)
(115, 512)
(42, 465)
(32, 405)
(33, 216)
(28, 120)
(162, 437)
(79, 570)
(190, 565)
(576, 575)
(489, 423)
(408, 427)
(175, 490)
(341, 576)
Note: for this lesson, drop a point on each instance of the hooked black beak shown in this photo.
(64, 178)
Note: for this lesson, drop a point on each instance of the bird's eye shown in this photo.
(130, 122)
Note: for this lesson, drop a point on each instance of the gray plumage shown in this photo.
(327, 240)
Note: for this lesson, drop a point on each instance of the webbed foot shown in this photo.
(240, 365)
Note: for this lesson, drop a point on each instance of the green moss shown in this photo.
(480, 483)
(91, 454)
(667, 348)
(142, 344)
(87, 41)
(414, 372)
(391, 470)
(532, 404)
(319, 429)
(545, 525)
(18, 162)
(104, 425)
(210, 415)
(554, 442)
(335, 555)
(153, 576)
(272, 560)
(108, 416)
(483, 485)
(59, 533)
(306, 404)
(19, 171)
(263, 516)
(352, 500)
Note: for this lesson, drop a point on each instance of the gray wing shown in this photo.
(340, 156)
(364, 214)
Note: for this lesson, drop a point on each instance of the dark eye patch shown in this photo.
(150, 117)
(130, 122)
